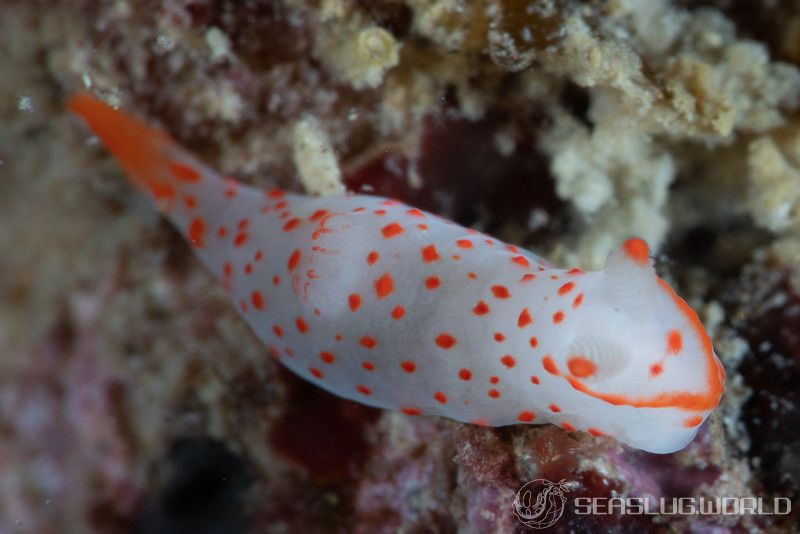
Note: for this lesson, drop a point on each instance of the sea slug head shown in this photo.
(642, 354)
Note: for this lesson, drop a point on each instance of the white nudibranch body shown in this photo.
(388, 305)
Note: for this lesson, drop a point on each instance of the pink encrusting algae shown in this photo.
(394, 307)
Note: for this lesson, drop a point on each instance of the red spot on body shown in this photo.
(363, 389)
(422, 227)
(276, 280)
(368, 342)
(327, 357)
(574, 271)
(534, 379)
(415, 213)
(558, 317)
(527, 277)
(637, 250)
(258, 300)
(316, 372)
(524, 318)
(440, 397)
(581, 367)
(372, 257)
(392, 230)
(464, 243)
(248, 268)
(408, 366)
(380, 213)
(656, 369)
(291, 224)
(508, 361)
(568, 427)
(445, 341)
(259, 255)
(549, 365)
(465, 374)
(578, 300)
(222, 231)
(398, 312)
(275, 193)
(500, 292)
(554, 408)
(494, 379)
(594, 432)
(318, 215)
(499, 337)
(534, 342)
(277, 330)
(481, 308)
(368, 366)
(566, 288)
(493, 393)
(432, 282)
(190, 202)
(692, 422)
(525, 417)
(674, 342)
(354, 301)
(184, 173)
(197, 230)
(409, 410)
(521, 260)
(472, 276)
(293, 260)
(430, 254)
(240, 239)
(301, 325)
(384, 286)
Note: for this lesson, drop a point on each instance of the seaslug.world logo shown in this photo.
(540, 503)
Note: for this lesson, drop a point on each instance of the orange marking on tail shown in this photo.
(184, 173)
(637, 250)
(138, 147)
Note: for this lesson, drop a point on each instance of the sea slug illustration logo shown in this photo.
(540, 503)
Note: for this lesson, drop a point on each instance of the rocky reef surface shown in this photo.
(133, 398)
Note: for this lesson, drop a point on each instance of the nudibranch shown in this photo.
(388, 305)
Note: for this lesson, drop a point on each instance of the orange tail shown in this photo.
(143, 152)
